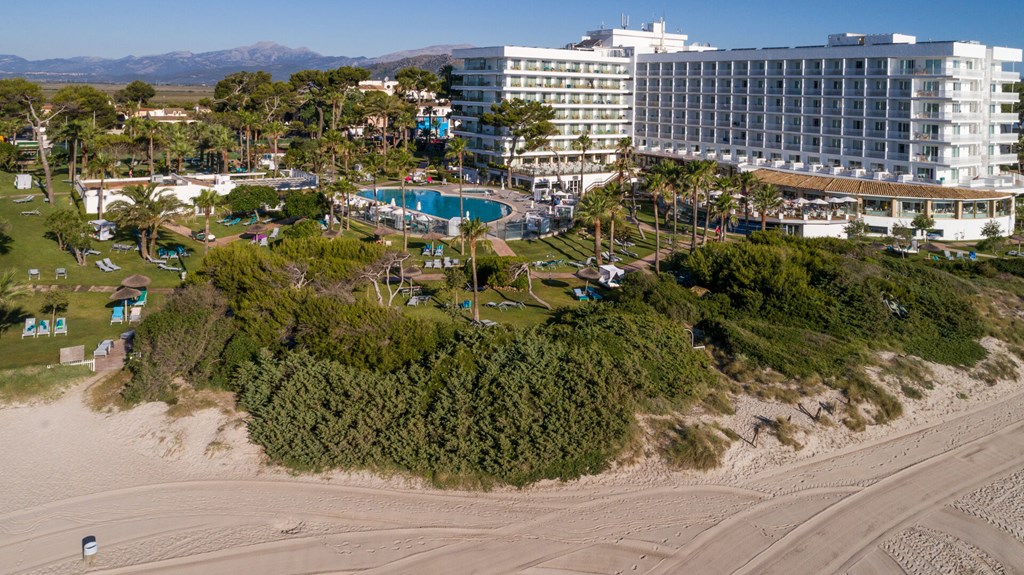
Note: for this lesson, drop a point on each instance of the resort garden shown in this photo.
(348, 351)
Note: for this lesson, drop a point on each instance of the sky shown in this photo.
(117, 28)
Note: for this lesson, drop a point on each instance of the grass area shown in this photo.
(88, 317)
(25, 383)
(165, 95)
(575, 246)
(30, 248)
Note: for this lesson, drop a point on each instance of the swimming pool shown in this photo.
(441, 206)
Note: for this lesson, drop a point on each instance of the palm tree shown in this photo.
(657, 182)
(746, 182)
(765, 198)
(700, 175)
(11, 288)
(104, 164)
(591, 211)
(374, 163)
(583, 143)
(402, 161)
(208, 201)
(147, 209)
(473, 230)
(274, 130)
(341, 187)
(219, 141)
(724, 206)
(456, 149)
(623, 157)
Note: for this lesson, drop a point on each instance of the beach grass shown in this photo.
(39, 382)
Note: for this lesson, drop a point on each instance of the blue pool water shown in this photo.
(434, 204)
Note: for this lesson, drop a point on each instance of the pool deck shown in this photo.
(518, 202)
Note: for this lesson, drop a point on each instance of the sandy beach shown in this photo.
(939, 490)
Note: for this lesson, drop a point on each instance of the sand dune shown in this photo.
(941, 490)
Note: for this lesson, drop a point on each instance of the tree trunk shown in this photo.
(405, 227)
(143, 246)
(152, 155)
(693, 233)
(49, 176)
(348, 213)
(764, 220)
(99, 197)
(74, 160)
(597, 240)
(206, 233)
(611, 234)
(320, 122)
(675, 214)
(472, 256)
(657, 239)
(462, 209)
(707, 223)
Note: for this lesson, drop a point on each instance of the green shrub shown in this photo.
(697, 446)
(303, 229)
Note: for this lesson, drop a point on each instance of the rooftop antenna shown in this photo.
(623, 20)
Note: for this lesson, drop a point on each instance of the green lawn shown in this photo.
(573, 246)
(88, 317)
(30, 248)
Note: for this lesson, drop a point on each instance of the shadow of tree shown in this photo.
(10, 317)
(5, 244)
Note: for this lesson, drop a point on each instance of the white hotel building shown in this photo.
(884, 110)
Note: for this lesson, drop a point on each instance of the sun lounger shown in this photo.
(103, 266)
(274, 232)
(491, 304)
(60, 273)
(1011, 253)
(92, 252)
(959, 255)
(948, 255)
(31, 213)
(25, 199)
(580, 294)
(30, 328)
(113, 267)
(43, 328)
(626, 252)
(437, 264)
(467, 304)
(168, 268)
(973, 256)
(153, 260)
(33, 274)
(117, 315)
(60, 327)
(507, 304)
(135, 315)
(592, 292)
(487, 323)
(141, 300)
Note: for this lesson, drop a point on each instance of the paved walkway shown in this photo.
(500, 247)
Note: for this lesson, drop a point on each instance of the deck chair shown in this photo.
(103, 266)
(103, 348)
(60, 326)
(153, 260)
(973, 256)
(30, 328)
(273, 233)
(467, 304)
(948, 255)
(25, 200)
(113, 267)
(135, 315)
(168, 268)
(580, 294)
(141, 300)
(43, 328)
(31, 213)
(117, 315)
(491, 304)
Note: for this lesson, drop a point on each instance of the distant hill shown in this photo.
(209, 67)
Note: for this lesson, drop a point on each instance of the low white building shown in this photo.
(187, 188)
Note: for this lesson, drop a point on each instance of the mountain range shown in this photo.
(209, 67)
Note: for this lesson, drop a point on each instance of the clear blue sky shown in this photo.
(116, 28)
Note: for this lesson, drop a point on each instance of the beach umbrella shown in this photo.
(422, 218)
(381, 232)
(848, 200)
(255, 229)
(124, 294)
(819, 202)
(589, 274)
(835, 201)
(801, 201)
(135, 281)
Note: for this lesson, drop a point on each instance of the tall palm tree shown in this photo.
(657, 183)
(341, 187)
(150, 129)
(616, 193)
(103, 163)
(456, 149)
(473, 230)
(583, 143)
(402, 161)
(274, 130)
(374, 163)
(146, 209)
(591, 211)
(701, 174)
(746, 182)
(766, 198)
(208, 201)
(724, 207)
(220, 141)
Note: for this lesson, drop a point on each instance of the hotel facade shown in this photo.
(922, 119)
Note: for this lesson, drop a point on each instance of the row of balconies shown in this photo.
(830, 71)
(567, 69)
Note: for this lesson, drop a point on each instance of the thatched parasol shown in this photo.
(256, 229)
(135, 281)
(412, 271)
(432, 236)
(589, 274)
(381, 232)
(125, 293)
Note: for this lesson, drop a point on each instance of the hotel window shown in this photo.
(943, 209)
(1003, 208)
(877, 207)
(912, 207)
